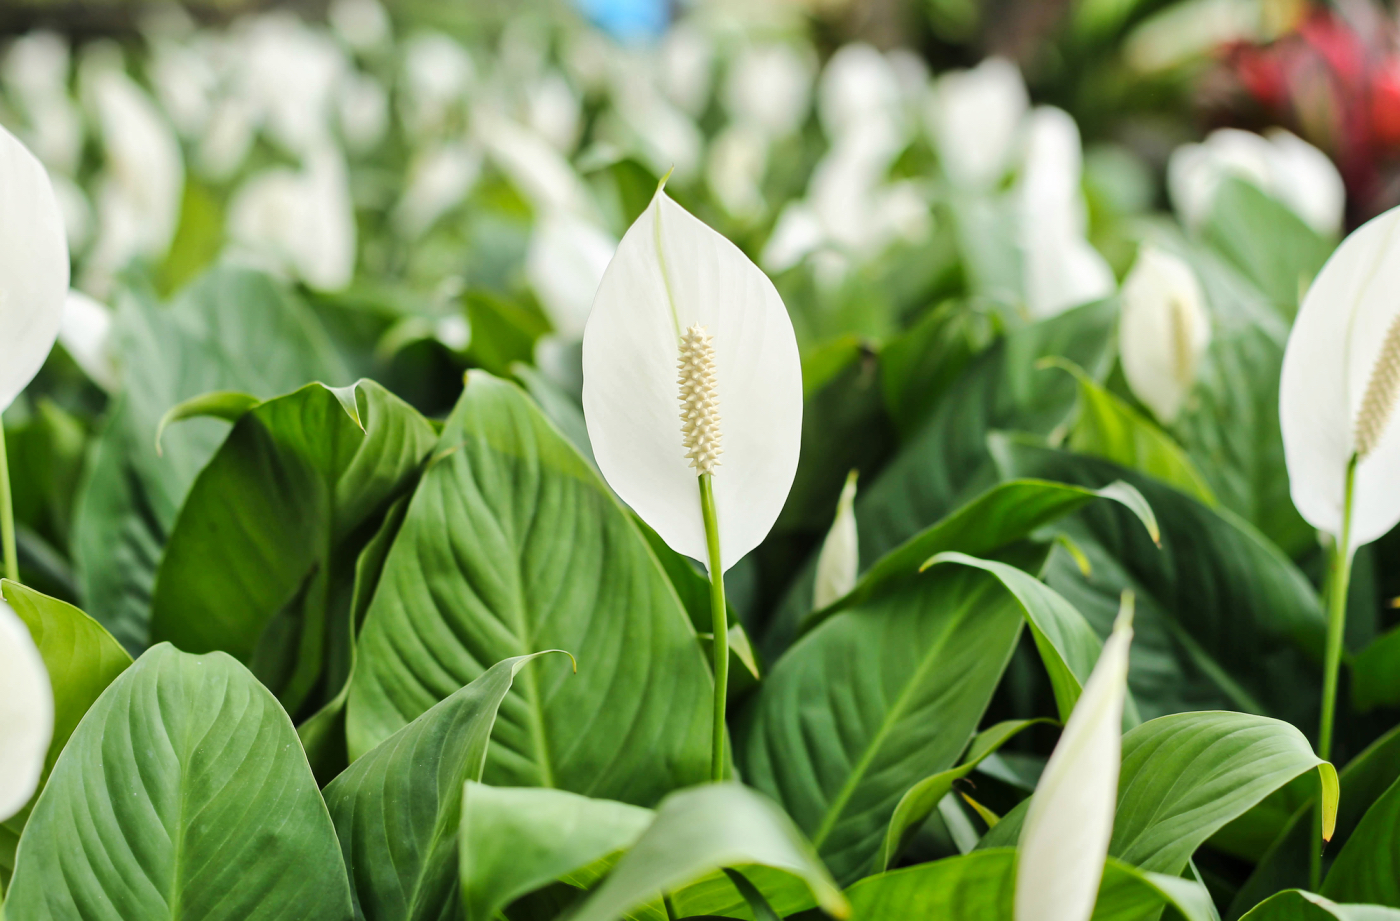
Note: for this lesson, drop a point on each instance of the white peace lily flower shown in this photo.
(36, 66)
(843, 187)
(437, 74)
(676, 290)
(1164, 331)
(26, 713)
(185, 83)
(86, 335)
(735, 169)
(362, 106)
(770, 88)
(361, 24)
(300, 222)
(291, 72)
(1307, 181)
(974, 117)
(77, 212)
(554, 111)
(440, 179)
(1340, 379)
(912, 73)
(227, 139)
(797, 233)
(33, 268)
(534, 167)
(565, 263)
(858, 87)
(665, 138)
(687, 58)
(36, 74)
(1064, 841)
(1062, 269)
(839, 561)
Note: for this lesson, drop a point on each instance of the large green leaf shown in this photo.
(873, 700)
(1368, 867)
(918, 367)
(702, 830)
(81, 658)
(184, 794)
(513, 544)
(981, 886)
(517, 839)
(1213, 588)
(232, 330)
(272, 527)
(1297, 905)
(398, 809)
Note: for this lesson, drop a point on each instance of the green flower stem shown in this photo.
(1338, 581)
(7, 514)
(720, 615)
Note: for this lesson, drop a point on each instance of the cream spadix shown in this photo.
(26, 713)
(1064, 842)
(679, 295)
(1337, 394)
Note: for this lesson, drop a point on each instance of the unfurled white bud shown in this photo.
(1164, 332)
(839, 561)
(699, 401)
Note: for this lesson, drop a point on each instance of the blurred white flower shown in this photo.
(858, 88)
(662, 136)
(37, 65)
(564, 265)
(912, 73)
(839, 560)
(1282, 165)
(437, 74)
(302, 223)
(86, 335)
(554, 111)
(734, 172)
(185, 82)
(846, 189)
(361, 24)
(1164, 331)
(362, 105)
(975, 117)
(1061, 268)
(227, 139)
(36, 75)
(687, 59)
(533, 166)
(291, 72)
(770, 88)
(797, 233)
(26, 713)
(76, 210)
(439, 180)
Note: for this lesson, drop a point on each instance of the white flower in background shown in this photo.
(439, 180)
(1340, 379)
(912, 73)
(734, 172)
(86, 335)
(37, 65)
(565, 263)
(975, 117)
(1184, 33)
(554, 111)
(1064, 842)
(797, 233)
(26, 712)
(686, 62)
(185, 83)
(362, 106)
(769, 87)
(76, 210)
(35, 73)
(1061, 268)
(437, 74)
(227, 139)
(843, 184)
(362, 25)
(33, 272)
(291, 72)
(302, 223)
(676, 290)
(1164, 331)
(143, 177)
(662, 136)
(839, 561)
(532, 164)
(858, 88)
(1282, 165)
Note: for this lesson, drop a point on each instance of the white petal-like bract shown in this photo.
(671, 272)
(1346, 333)
(26, 713)
(1064, 841)
(86, 334)
(975, 116)
(839, 560)
(33, 267)
(1164, 331)
(565, 263)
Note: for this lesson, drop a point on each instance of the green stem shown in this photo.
(1338, 582)
(719, 614)
(7, 514)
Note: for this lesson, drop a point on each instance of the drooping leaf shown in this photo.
(512, 544)
(1297, 905)
(183, 794)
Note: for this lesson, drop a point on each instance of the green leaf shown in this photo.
(702, 830)
(271, 530)
(516, 839)
(502, 332)
(1297, 905)
(918, 367)
(872, 701)
(513, 544)
(923, 798)
(233, 330)
(1375, 673)
(1213, 588)
(228, 405)
(82, 659)
(398, 809)
(183, 794)
(1368, 867)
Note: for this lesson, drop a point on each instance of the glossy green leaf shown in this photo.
(183, 794)
(513, 544)
(1368, 867)
(1297, 905)
(228, 405)
(517, 839)
(271, 529)
(1375, 673)
(919, 366)
(702, 830)
(872, 701)
(398, 809)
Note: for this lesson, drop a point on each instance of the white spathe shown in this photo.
(769, 87)
(440, 178)
(670, 272)
(974, 117)
(291, 72)
(1164, 331)
(857, 88)
(362, 109)
(33, 267)
(86, 335)
(438, 71)
(1064, 842)
(1346, 322)
(564, 264)
(839, 560)
(26, 713)
(536, 168)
